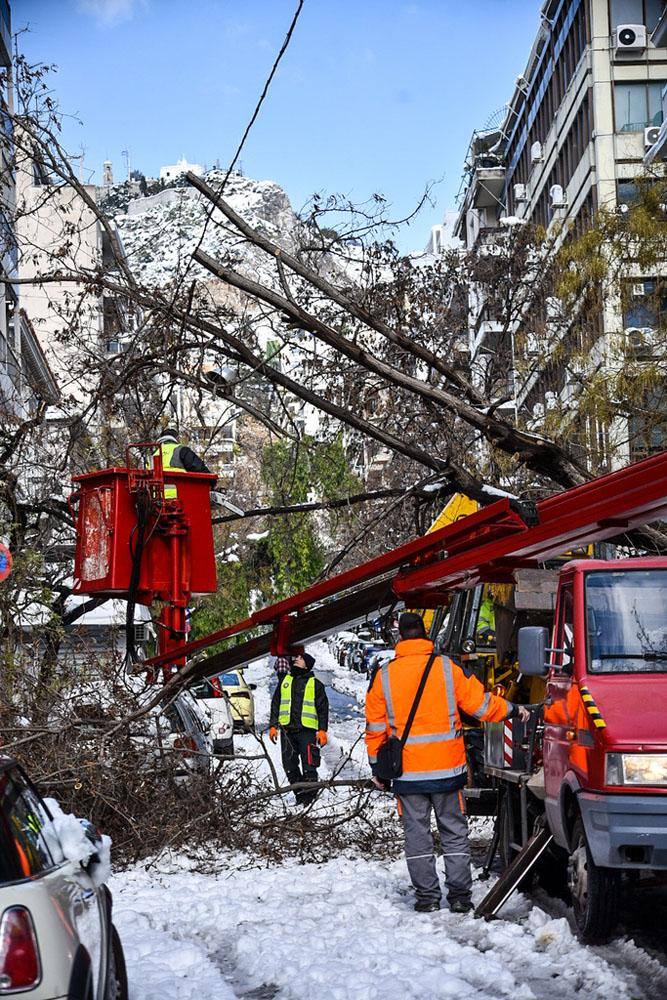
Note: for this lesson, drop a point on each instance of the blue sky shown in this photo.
(372, 95)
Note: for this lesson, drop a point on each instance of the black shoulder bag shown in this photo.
(389, 764)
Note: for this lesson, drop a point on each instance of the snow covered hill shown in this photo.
(160, 232)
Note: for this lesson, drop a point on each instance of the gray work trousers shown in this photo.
(419, 850)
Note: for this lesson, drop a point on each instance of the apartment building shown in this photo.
(9, 359)
(580, 121)
(25, 375)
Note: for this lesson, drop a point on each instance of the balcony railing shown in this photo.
(488, 182)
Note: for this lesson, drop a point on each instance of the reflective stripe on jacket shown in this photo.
(434, 748)
(171, 460)
(308, 710)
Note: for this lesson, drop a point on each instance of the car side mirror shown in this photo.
(253, 687)
(533, 645)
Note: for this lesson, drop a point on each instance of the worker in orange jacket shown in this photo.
(434, 757)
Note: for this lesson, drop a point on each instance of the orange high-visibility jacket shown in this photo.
(434, 748)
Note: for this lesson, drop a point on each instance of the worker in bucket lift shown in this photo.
(434, 758)
(184, 459)
(300, 710)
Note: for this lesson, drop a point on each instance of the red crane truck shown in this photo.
(583, 786)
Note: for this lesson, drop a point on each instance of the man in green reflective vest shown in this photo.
(300, 708)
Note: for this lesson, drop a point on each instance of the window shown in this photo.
(637, 105)
(627, 192)
(625, 621)
(565, 630)
(646, 12)
(229, 680)
(24, 849)
(645, 303)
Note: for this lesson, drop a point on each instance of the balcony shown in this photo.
(488, 182)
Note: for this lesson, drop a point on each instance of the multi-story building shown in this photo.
(577, 128)
(25, 376)
(8, 254)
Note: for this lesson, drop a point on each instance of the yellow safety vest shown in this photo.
(308, 712)
(167, 452)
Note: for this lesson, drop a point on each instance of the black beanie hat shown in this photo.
(308, 659)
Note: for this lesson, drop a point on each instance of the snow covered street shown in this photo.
(346, 929)
(228, 927)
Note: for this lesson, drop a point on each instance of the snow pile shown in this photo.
(346, 929)
(71, 839)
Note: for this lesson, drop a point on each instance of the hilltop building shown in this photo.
(174, 170)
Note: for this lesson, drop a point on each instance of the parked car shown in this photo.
(364, 649)
(347, 645)
(185, 727)
(57, 937)
(239, 692)
(209, 693)
(378, 659)
(339, 640)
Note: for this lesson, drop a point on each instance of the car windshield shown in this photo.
(202, 690)
(626, 621)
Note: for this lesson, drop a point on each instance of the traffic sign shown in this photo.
(5, 562)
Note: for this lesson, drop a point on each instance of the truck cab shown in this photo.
(604, 741)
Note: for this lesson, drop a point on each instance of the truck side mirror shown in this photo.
(533, 644)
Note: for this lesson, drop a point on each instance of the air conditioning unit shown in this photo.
(141, 632)
(536, 154)
(629, 39)
(651, 136)
(520, 193)
(640, 342)
(557, 196)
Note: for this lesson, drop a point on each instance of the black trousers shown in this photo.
(300, 754)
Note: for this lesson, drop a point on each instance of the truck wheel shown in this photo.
(594, 891)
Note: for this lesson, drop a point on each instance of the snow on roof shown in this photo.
(111, 612)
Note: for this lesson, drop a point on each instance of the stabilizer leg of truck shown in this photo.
(513, 875)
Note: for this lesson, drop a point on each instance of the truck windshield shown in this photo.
(626, 621)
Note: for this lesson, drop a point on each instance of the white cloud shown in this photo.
(110, 12)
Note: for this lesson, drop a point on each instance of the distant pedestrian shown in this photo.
(281, 666)
(434, 757)
(300, 712)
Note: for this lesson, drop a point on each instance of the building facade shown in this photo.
(582, 117)
(9, 345)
